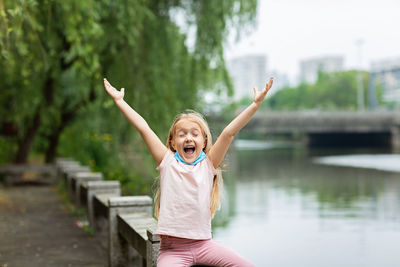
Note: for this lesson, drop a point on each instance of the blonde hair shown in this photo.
(215, 202)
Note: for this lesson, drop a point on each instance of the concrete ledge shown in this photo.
(133, 227)
(69, 172)
(129, 201)
(59, 161)
(100, 202)
(103, 184)
(77, 181)
(151, 234)
(101, 191)
(152, 246)
(126, 220)
(91, 188)
(119, 249)
(100, 211)
(62, 166)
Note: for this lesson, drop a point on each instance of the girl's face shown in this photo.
(188, 140)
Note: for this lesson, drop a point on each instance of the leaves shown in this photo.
(332, 91)
(55, 54)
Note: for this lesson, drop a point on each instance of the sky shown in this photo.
(288, 31)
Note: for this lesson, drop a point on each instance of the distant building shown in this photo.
(309, 68)
(247, 72)
(386, 73)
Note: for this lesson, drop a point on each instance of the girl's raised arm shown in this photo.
(218, 150)
(156, 147)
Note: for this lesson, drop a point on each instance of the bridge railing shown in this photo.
(125, 223)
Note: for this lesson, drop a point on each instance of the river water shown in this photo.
(286, 205)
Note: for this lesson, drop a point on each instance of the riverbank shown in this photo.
(383, 162)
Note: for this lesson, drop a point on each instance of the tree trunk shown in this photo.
(66, 118)
(53, 143)
(25, 144)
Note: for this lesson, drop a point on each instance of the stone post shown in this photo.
(69, 172)
(152, 247)
(61, 165)
(63, 160)
(96, 188)
(118, 248)
(79, 178)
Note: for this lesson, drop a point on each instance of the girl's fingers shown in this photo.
(106, 83)
(271, 81)
(267, 84)
(114, 93)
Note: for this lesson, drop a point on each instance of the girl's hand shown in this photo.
(260, 95)
(114, 93)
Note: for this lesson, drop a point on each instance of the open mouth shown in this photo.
(189, 150)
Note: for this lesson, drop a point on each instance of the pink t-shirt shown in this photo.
(185, 198)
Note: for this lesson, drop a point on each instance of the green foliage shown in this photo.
(7, 148)
(332, 91)
(54, 55)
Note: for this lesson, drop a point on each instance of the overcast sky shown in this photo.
(290, 30)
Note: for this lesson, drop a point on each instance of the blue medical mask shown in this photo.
(198, 160)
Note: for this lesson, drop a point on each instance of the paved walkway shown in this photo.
(36, 229)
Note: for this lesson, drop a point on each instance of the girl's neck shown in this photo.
(198, 160)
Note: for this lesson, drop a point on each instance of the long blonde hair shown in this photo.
(215, 202)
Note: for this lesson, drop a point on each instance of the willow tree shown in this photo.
(55, 53)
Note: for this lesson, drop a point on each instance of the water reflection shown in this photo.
(282, 209)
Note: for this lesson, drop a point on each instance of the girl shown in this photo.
(188, 194)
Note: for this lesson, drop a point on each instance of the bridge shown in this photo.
(374, 128)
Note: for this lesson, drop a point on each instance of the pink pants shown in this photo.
(187, 252)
